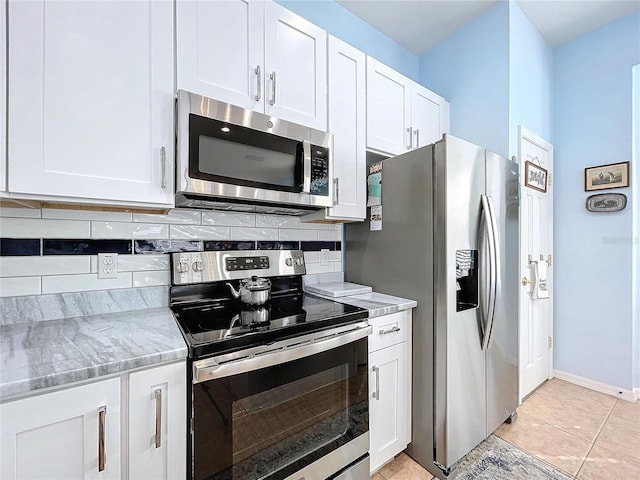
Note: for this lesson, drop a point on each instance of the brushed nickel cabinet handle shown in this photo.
(163, 160)
(336, 190)
(257, 71)
(102, 459)
(417, 132)
(376, 394)
(158, 398)
(410, 142)
(272, 76)
(391, 330)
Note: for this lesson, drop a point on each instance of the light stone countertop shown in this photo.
(378, 304)
(51, 353)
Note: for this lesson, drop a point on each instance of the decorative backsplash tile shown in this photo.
(210, 245)
(52, 251)
(19, 246)
(84, 247)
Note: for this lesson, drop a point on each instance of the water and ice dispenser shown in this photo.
(466, 279)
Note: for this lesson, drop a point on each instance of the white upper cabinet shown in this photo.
(388, 109)
(3, 95)
(91, 101)
(254, 54)
(429, 116)
(401, 114)
(220, 50)
(346, 115)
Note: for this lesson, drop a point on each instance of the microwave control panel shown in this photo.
(319, 170)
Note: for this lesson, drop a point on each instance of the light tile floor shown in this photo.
(586, 434)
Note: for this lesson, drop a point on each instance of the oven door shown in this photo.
(285, 412)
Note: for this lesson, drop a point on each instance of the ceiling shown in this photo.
(418, 25)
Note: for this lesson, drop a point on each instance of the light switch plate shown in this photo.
(107, 265)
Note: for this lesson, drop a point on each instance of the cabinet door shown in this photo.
(3, 95)
(388, 415)
(347, 123)
(91, 100)
(57, 435)
(220, 49)
(157, 423)
(295, 61)
(388, 109)
(429, 116)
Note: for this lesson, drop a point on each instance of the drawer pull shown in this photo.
(391, 330)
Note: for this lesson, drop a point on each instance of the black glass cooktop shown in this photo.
(227, 325)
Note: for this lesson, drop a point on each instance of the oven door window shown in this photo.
(236, 155)
(270, 423)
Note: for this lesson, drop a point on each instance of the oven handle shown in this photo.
(280, 352)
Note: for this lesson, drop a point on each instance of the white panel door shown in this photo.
(3, 95)
(429, 116)
(347, 123)
(91, 100)
(388, 380)
(536, 243)
(55, 436)
(388, 109)
(157, 423)
(220, 49)
(295, 62)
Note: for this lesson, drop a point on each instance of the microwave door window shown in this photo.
(250, 165)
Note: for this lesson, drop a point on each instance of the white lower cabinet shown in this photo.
(76, 433)
(68, 434)
(157, 423)
(389, 387)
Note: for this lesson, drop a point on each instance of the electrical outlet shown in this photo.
(107, 265)
(324, 256)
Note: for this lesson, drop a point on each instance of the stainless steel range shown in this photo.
(278, 385)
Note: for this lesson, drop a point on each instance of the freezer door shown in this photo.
(502, 352)
(459, 374)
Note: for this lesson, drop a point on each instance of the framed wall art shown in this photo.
(614, 175)
(606, 202)
(535, 176)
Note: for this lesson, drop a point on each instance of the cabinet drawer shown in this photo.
(389, 330)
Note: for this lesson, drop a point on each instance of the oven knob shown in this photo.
(197, 266)
(182, 267)
(298, 262)
(289, 262)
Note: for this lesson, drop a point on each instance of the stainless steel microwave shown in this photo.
(230, 158)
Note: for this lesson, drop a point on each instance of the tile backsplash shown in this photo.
(44, 251)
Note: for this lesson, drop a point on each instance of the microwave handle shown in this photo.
(306, 166)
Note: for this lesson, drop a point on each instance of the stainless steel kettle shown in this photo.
(253, 291)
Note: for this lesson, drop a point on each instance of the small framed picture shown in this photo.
(615, 175)
(535, 176)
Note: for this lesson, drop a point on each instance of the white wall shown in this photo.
(594, 307)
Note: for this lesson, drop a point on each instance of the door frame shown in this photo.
(525, 134)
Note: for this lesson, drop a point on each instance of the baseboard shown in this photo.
(628, 395)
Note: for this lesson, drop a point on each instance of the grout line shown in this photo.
(593, 444)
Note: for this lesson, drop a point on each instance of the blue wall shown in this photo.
(471, 70)
(593, 309)
(635, 182)
(343, 24)
(530, 79)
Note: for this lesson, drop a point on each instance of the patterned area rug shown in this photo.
(495, 459)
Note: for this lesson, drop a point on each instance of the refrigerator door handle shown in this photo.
(496, 277)
(488, 225)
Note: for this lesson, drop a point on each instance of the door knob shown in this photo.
(526, 282)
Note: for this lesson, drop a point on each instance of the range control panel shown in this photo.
(202, 267)
(246, 263)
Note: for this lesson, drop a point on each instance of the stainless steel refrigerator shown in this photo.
(449, 240)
